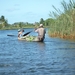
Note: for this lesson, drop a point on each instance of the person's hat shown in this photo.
(41, 25)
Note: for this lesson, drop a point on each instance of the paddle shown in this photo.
(27, 33)
(23, 35)
(10, 35)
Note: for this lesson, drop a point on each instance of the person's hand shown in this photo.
(35, 29)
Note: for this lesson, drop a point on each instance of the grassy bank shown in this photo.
(64, 21)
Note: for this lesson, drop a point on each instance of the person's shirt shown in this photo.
(20, 34)
(41, 31)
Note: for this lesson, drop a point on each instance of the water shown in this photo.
(54, 56)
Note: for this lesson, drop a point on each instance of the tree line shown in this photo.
(5, 25)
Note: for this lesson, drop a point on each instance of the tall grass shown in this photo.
(64, 25)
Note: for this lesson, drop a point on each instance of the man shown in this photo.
(41, 33)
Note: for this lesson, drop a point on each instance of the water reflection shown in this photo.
(41, 45)
(42, 55)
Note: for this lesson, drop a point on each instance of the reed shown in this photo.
(64, 25)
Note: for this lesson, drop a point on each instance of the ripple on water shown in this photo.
(53, 57)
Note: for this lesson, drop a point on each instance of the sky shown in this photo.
(30, 11)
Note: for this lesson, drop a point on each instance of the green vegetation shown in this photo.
(4, 24)
(64, 21)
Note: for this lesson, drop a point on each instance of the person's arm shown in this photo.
(36, 30)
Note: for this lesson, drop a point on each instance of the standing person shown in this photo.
(20, 33)
(41, 33)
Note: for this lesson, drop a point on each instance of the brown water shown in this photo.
(54, 56)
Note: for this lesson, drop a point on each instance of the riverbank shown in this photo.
(13, 28)
(63, 36)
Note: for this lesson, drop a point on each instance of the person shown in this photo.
(20, 33)
(41, 33)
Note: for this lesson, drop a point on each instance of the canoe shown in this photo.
(29, 38)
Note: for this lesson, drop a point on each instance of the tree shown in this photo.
(20, 24)
(49, 22)
(2, 18)
(41, 21)
(5, 23)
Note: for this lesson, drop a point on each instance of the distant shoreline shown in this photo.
(14, 28)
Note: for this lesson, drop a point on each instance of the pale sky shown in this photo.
(27, 10)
